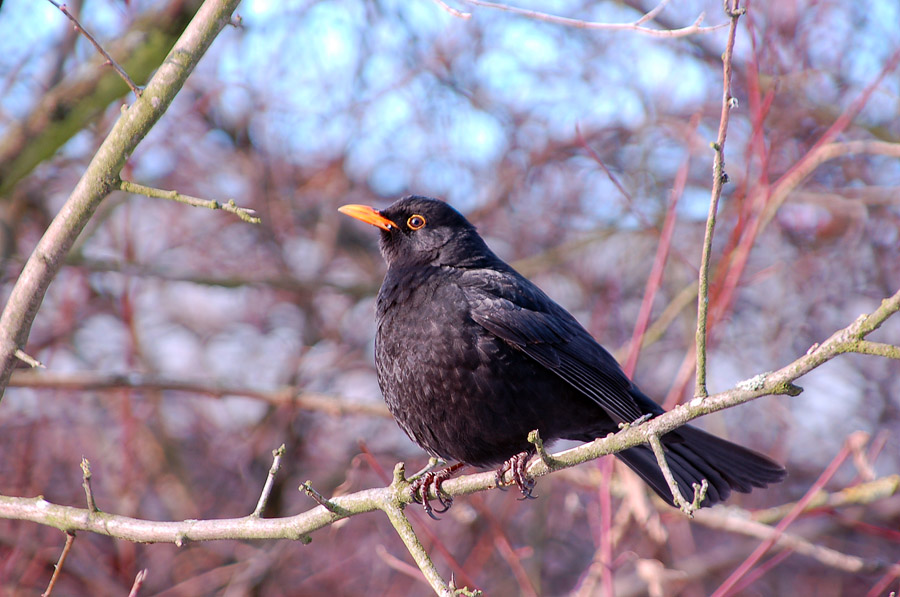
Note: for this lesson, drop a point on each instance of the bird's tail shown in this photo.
(694, 455)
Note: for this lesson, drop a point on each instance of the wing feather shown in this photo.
(557, 341)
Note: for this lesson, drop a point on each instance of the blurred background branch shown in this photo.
(182, 345)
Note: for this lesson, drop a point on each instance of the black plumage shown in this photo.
(471, 356)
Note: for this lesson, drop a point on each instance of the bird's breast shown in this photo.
(457, 390)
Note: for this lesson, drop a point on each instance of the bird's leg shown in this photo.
(434, 480)
(516, 465)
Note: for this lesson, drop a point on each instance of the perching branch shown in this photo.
(393, 498)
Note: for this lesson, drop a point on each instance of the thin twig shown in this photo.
(320, 499)
(86, 483)
(680, 502)
(109, 59)
(719, 180)
(138, 582)
(534, 437)
(70, 538)
(243, 213)
(28, 359)
(455, 12)
(770, 196)
(270, 481)
(87, 380)
(691, 29)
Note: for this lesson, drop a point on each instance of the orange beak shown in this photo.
(367, 214)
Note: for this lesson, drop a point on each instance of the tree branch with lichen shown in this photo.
(392, 499)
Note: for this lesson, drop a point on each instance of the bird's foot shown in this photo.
(520, 476)
(432, 481)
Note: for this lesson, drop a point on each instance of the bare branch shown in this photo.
(864, 493)
(243, 213)
(779, 529)
(109, 59)
(82, 381)
(86, 483)
(295, 527)
(391, 499)
(57, 569)
(404, 529)
(699, 490)
(270, 481)
(878, 349)
(719, 180)
(138, 582)
(636, 26)
(456, 13)
(28, 359)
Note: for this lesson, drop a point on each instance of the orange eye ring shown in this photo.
(415, 222)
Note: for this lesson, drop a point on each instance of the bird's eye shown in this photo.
(415, 222)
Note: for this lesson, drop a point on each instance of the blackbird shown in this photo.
(471, 356)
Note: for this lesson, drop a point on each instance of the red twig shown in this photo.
(70, 538)
(881, 587)
(138, 582)
(763, 569)
(726, 588)
(659, 262)
(770, 197)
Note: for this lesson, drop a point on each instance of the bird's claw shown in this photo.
(432, 481)
(516, 465)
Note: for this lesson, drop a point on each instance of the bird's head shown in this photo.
(418, 231)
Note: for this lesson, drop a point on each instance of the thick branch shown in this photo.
(100, 178)
(86, 93)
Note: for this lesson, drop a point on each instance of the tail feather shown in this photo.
(694, 455)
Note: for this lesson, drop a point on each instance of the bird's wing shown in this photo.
(552, 337)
